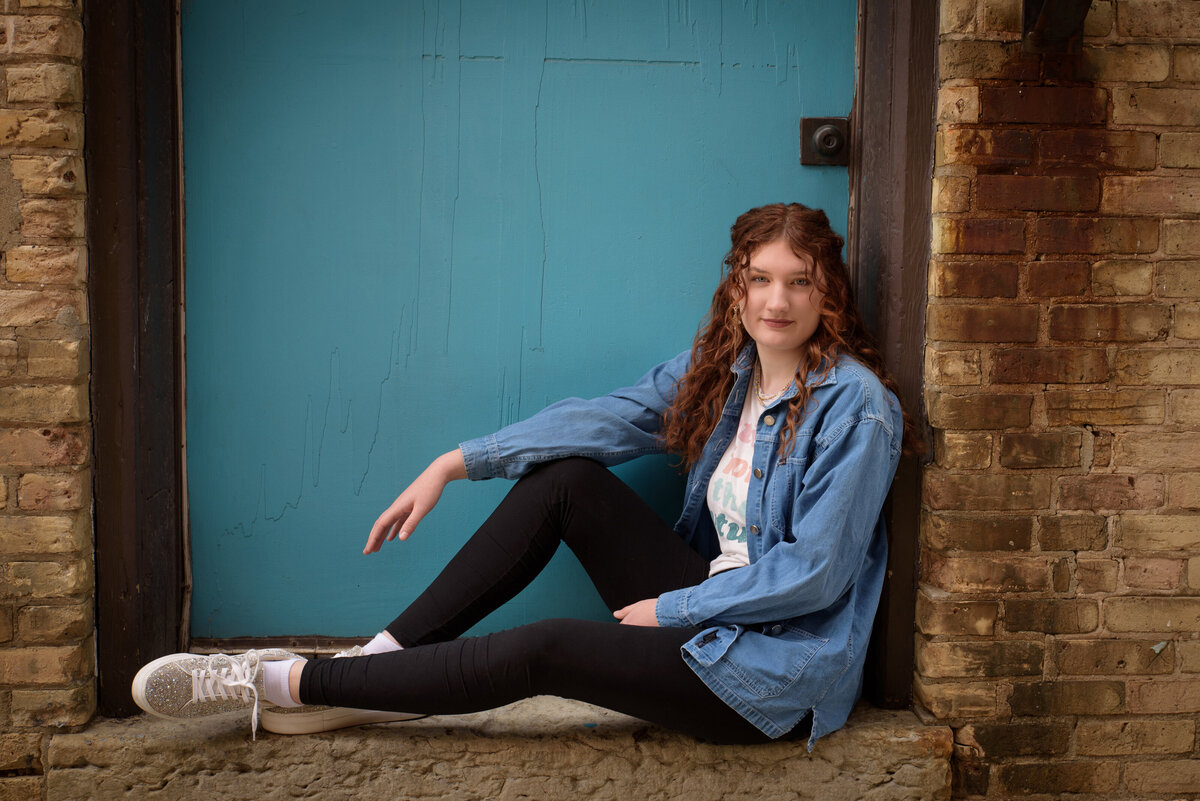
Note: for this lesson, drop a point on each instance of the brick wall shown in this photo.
(46, 629)
(1060, 546)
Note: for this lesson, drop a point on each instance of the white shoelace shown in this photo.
(229, 678)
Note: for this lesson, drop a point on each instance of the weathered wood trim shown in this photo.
(891, 172)
(134, 237)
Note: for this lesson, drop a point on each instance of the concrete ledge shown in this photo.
(543, 748)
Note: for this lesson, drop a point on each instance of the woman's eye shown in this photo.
(802, 282)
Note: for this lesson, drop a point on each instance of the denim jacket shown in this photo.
(787, 633)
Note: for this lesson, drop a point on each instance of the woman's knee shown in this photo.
(543, 648)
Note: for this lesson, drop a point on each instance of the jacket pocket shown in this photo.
(785, 486)
(771, 662)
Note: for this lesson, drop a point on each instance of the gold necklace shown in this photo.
(765, 399)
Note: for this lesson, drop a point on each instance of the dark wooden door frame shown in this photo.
(135, 231)
(134, 290)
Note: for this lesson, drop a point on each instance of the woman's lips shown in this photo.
(777, 323)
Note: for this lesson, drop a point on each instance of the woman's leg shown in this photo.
(629, 553)
(636, 670)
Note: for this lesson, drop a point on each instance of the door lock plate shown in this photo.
(825, 141)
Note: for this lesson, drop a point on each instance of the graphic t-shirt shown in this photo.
(729, 487)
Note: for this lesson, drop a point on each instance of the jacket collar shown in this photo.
(744, 364)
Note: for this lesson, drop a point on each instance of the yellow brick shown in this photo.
(1180, 149)
(951, 193)
(47, 35)
(1096, 575)
(54, 624)
(1193, 574)
(1099, 21)
(52, 217)
(963, 449)
(8, 358)
(1113, 657)
(51, 491)
(46, 264)
(1187, 63)
(954, 699)
(1159, 776)
(953, 367)
(1122, 277)
(1178, 279)
(1187, 321)
(1152, 614)
(1103, 407)
(976, 659)
(22, 788)
(21, 752)
(1158, 532)
(1155, 18)
(1189, 651)
(51, 358)
(958, 104)
(1156, 367)
(45, 708)
(45, 83)
(1143, 63)
(41, 128)
(1181, 237)
(957, 16)
(1156, 106)
(1002, 16)
(29, 535)
(45, 579)
(49, 175)
(1183, 406)
(1136, 194)
(1153, 450)
(44, 665)
(44, 404)
(1161, 696)
(940, 613)
(1128, 737)
(1183, 490)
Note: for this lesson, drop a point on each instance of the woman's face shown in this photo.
(782, 306)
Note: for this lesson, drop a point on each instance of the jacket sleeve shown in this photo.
(611, 429)
(834, 518)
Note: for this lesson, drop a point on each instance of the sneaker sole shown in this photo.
(279, 721)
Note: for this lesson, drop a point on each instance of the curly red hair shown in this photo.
(691, 418)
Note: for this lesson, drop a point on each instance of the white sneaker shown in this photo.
(185, 686)
(312, 718)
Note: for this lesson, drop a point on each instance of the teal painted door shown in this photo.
(410, 223)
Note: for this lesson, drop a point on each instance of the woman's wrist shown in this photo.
(450, 466)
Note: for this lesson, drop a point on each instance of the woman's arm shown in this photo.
(611, 429)
(402, 517)
(833, 521)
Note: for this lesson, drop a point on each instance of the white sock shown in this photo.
(382, 644)
(277, 682)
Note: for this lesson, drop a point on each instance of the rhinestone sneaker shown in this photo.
(185, 686)
(312, 718)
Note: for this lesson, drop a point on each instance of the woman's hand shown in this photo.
(638, 614)
(402, 517)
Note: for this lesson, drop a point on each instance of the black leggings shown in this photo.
(629, 554)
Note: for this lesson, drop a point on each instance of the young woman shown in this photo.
(747, 622)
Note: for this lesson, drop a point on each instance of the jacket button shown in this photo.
(769, 419)
(754, 529)
(758, 472)
(776, 630)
